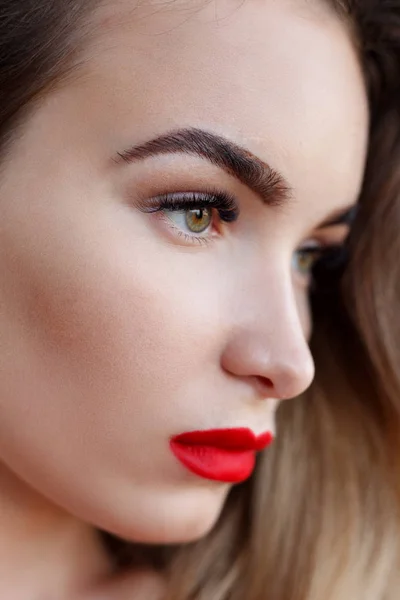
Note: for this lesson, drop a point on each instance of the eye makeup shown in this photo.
(185, 212)
(224, 203)
(328, 269)
(198, 217)
(344, 217)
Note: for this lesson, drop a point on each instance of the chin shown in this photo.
(168, 518)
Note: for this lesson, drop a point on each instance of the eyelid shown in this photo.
(223, 206)
(212, 198)
(333, 235)
(344, 217)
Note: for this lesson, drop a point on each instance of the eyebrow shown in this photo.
(269, 185)
(343, 217)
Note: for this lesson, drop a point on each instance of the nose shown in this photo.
(267, 346)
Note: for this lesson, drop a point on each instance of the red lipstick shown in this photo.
(226, 455)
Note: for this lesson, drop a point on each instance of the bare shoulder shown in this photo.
(138, 585)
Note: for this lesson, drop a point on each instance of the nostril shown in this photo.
(264, 383)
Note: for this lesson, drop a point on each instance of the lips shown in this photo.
(226, 455)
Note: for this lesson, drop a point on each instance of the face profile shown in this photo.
(153, 251)
(164, 208)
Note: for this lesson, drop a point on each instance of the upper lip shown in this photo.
(231, 439)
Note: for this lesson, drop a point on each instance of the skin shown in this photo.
(116, 332)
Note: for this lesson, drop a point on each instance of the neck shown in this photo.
(54, 551)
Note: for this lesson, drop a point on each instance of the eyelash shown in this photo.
(329, 268)
(327, 262)
(213, 200)
(329, 258)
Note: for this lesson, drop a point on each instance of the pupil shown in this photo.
(198, 219)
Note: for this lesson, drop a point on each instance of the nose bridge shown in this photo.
(268, 341)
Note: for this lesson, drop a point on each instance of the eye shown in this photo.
(305, 258)
(194, 215)
(319, 263)
(196, 220)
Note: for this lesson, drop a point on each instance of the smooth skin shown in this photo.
(117, 331)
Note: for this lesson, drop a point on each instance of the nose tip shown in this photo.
(290, 379)
(282, 372)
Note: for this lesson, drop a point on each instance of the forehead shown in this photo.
(279, 76)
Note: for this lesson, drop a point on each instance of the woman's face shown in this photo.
(126, 322)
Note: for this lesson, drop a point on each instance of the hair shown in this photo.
(320, 517)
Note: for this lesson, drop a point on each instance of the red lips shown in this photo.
(226, 455)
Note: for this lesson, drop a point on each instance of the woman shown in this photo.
(199, 210)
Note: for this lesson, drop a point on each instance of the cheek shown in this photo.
(109, 340)
(113, 317)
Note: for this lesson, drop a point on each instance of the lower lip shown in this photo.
(218, 464)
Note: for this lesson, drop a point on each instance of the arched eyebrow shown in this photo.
(345, 216)
(268, 183)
